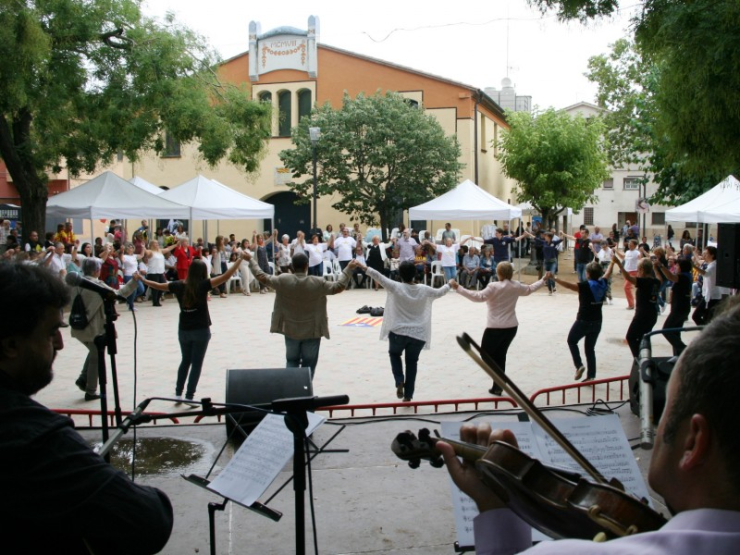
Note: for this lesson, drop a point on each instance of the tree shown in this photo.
(697, 90)
(557, 160)
(627, 87)
(83, 80)
(378, 154)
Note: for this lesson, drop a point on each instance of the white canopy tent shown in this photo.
(208, 199)
(142, 183)
(721, 204)
(110, 196)
(467, 201)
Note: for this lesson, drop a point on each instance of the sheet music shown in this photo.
(601, 439)
(259, 460)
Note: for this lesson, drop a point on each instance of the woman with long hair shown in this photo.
(194, 329)
(501, 297)
(218, 263)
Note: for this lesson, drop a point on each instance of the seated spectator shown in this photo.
(358, 274)
(485, 267)
(469, 269)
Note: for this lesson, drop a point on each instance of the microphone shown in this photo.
(77, 280)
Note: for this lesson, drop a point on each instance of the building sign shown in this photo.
(283, 48)
(283, 176)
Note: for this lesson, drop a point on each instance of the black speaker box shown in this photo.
(261, 386)
(728, 255)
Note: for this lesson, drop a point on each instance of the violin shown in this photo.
(557, 502)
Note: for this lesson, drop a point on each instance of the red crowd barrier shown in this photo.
(577, 390)
(112, 415)
(374, 407)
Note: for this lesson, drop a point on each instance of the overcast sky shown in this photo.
(463, 41)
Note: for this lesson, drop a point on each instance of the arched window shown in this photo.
(284, 115)
(304, 103)
(265, 96)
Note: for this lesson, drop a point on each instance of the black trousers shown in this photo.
(641, 324)
(156, 294)
(675, 320)
(704, 312)
(495, 343)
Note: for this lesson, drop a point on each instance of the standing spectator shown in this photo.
(615, 234)
(680, 301)
(407, 247)
(500, 244)
(626, 229)
(156, 269)
(180, 233)
(4, 232)
(55, 260)
(597, 239)
(194, 328)
(448, 257)
(218, 263)
(260, 253)
(686, 239)
(283, 260)
(299, 312)
(711, 294)
(646, 313)
(95, 311)
(328, 233)
(591, 295)
(501, 297)
(184, 254)
(407, 324)
(547, 244)
(605, 259)
(357, 233)
(344, 246)
(315, 252)
(670, 234)
(359, 275)
(130, 264)
(298, 246)
(376, 257)
(448, 234)
(631, 259)
(109, 269)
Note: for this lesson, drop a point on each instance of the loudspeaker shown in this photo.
(261, 386)
(728, 251)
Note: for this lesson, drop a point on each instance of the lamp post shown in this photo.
(315, 134)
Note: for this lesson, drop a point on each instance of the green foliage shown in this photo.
(698, 89)
(627, 86)
(557, 160)
(377, 155)
(581, 10)
(81, 80)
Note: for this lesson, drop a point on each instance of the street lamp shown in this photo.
(315, 134)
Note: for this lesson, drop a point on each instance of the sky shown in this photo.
(474, 42)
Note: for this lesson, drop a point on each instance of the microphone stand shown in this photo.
(107, 340)
(296, 419)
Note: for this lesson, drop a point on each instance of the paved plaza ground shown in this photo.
(353, 361)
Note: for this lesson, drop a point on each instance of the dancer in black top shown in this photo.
(646, 301)
(680, 301)
(591, 295)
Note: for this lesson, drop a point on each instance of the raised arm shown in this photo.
(665, 272)
(571, 237)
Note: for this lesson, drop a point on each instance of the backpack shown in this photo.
(78, 315)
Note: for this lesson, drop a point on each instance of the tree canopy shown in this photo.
(377, 154)
(557, 159)
(627, 87)
(696, 90)
(84, 80)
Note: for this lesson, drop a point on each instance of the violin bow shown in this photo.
(504, 382)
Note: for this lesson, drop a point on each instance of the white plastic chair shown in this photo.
(329, 271)
(234, 279)
(438, 236)
(336, 269)
(437, 272)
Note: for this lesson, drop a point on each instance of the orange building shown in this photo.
(290, 69)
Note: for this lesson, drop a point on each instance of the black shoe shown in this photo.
(364, 310)
(495, 391)
(81, 383)
(91, 396)
(406, 399)
(399, 391)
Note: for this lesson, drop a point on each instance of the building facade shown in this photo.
(289, 68)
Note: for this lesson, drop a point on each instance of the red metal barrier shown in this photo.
(580, 386)
(374, 407)
(112, 415)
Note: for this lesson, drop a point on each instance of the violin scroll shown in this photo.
(409, 448)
